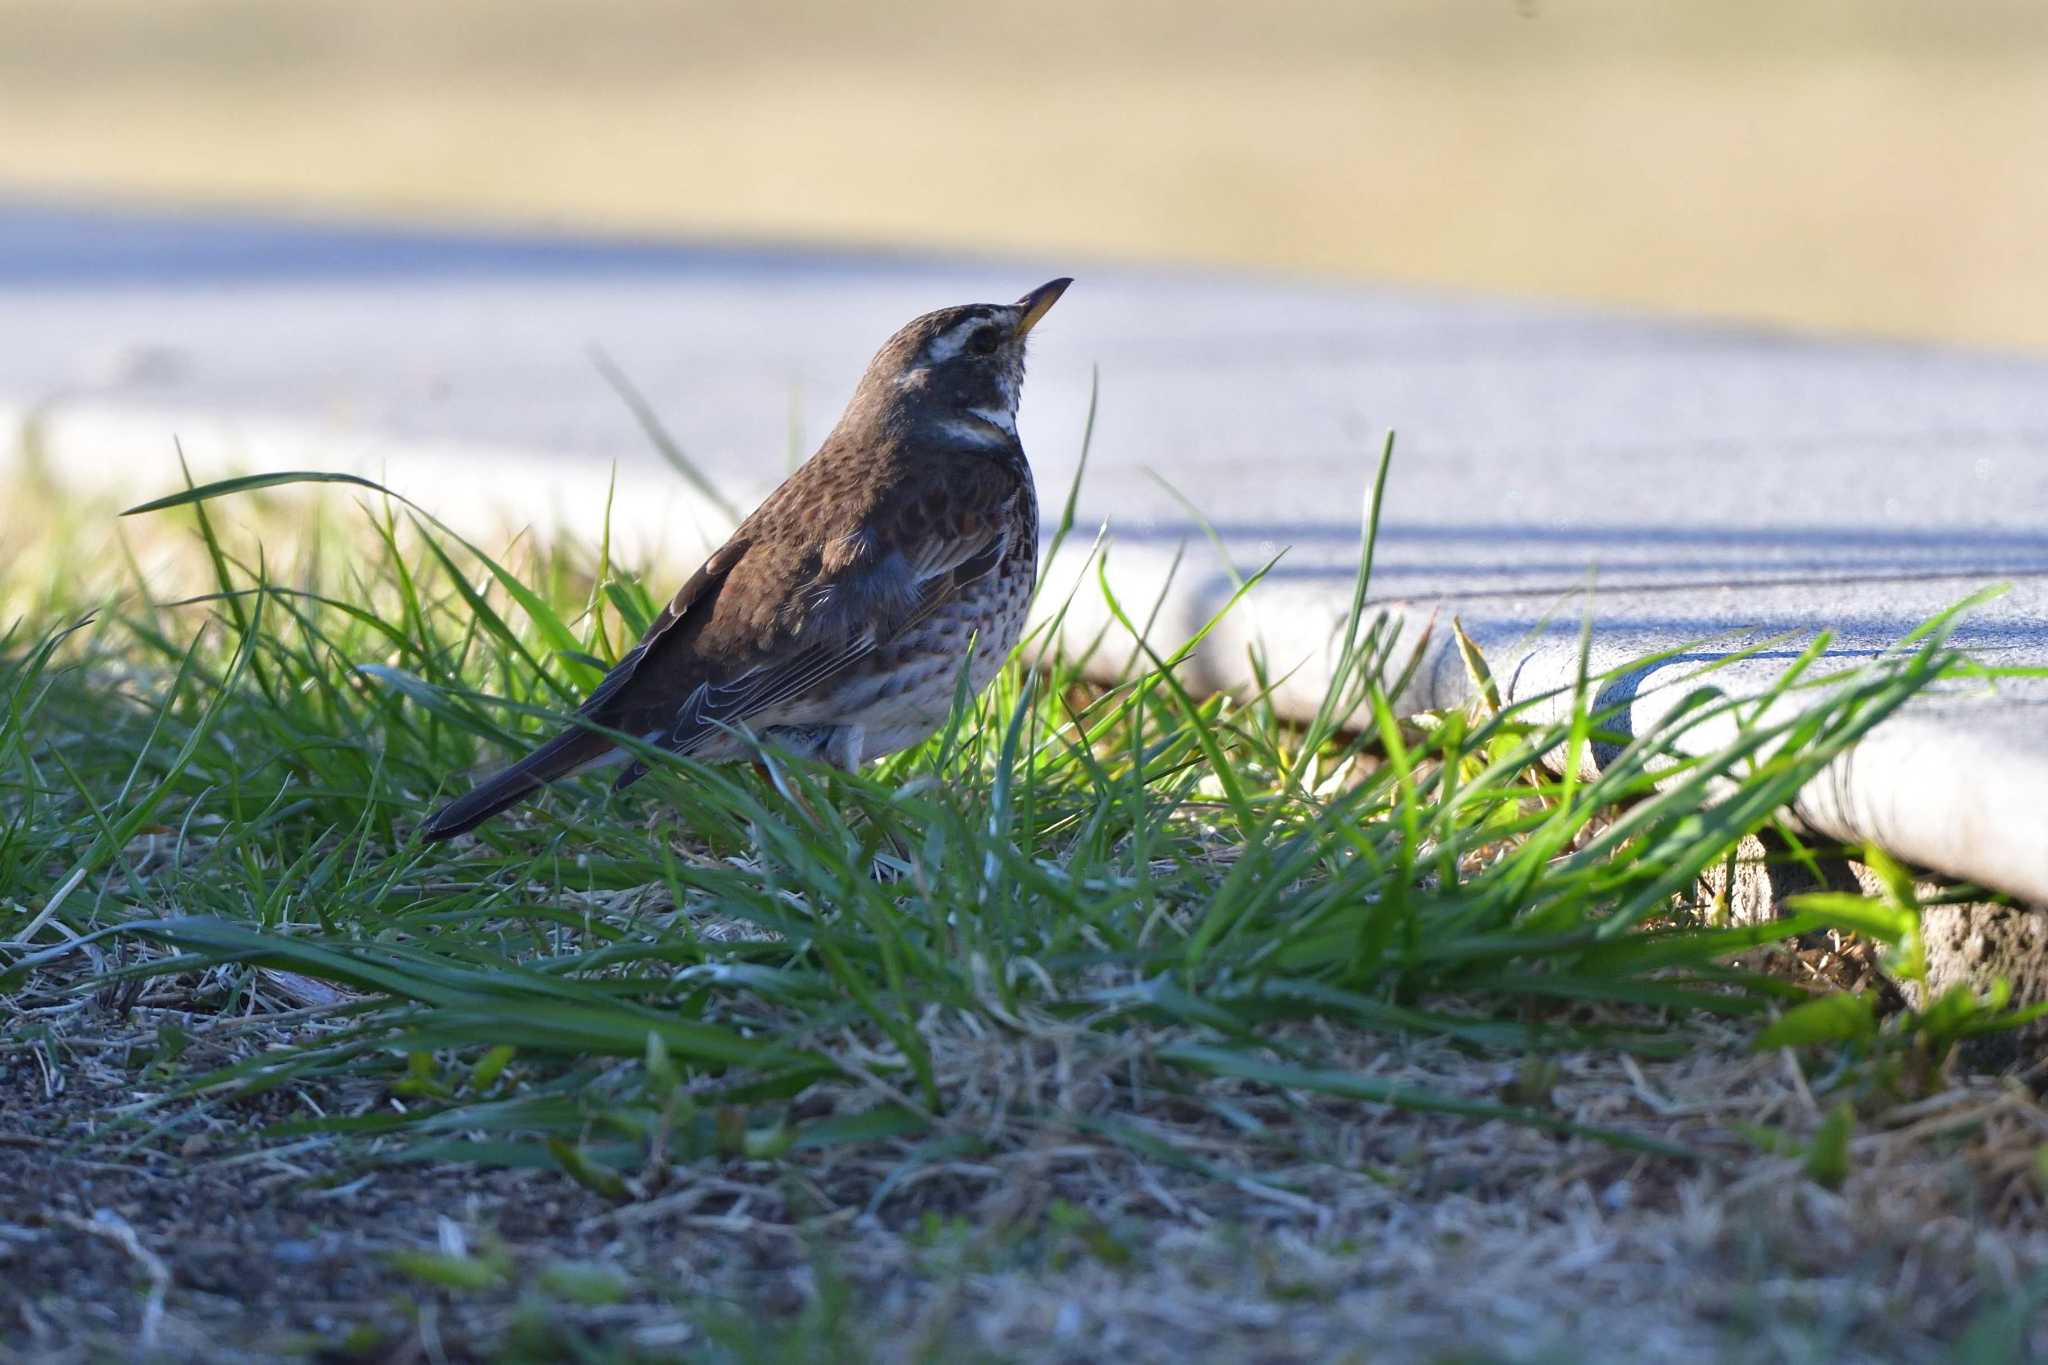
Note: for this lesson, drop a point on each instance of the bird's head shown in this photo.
(956, 373)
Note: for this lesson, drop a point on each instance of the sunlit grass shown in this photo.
(1179, 896)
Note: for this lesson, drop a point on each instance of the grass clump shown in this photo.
(1133, 872)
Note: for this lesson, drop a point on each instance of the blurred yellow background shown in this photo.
(1867, 165)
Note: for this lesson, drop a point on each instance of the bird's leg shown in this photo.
(843, 745)
(774, 778)
(843, 749)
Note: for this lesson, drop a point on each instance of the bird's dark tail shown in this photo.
(565, 752)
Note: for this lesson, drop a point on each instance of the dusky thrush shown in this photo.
(835, 621)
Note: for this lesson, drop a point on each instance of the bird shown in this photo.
(834, 622)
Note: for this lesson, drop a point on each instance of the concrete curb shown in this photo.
(1956, 782)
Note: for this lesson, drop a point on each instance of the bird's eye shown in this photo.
(985, 341)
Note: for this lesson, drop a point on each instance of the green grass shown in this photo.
(1181, 889)
(1149, 940)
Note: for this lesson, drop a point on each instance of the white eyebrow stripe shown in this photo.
(954, 339)
(950, 342)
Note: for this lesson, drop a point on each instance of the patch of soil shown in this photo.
(1387, 1234)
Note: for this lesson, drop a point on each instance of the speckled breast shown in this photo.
(905, 689)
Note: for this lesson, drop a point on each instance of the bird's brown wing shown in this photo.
(797, 605)
(706, 580)
(714, 706)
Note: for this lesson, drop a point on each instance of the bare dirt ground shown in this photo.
(1374, 1234)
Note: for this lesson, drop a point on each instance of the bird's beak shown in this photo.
(1037, 304)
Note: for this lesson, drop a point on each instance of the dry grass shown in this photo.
(1371, 1233)
(1862, 164)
